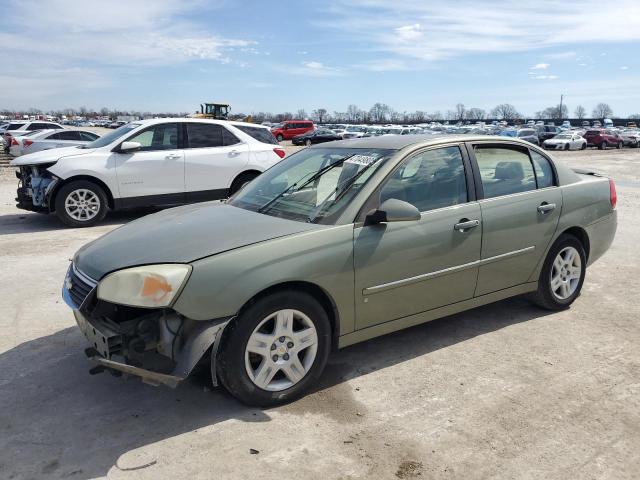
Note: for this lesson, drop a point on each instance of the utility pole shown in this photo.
(560, 112)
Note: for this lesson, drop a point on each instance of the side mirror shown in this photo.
(392, 210)
(126, 147)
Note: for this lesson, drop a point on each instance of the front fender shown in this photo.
(220, 285)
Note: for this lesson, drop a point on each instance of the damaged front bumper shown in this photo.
(161, 347)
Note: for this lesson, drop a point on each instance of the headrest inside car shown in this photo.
(509, 171)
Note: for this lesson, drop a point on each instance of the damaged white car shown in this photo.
(160, 162)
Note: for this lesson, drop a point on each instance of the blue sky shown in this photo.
(171, 55)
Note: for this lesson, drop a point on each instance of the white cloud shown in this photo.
(541, 66)
(438, 29)
(383, 65)
(316, 69)
(562, 55)
(624, 67)
(544, 77)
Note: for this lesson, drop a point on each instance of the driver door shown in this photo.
(154, 174)
(405, 268)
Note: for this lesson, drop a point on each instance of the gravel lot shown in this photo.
(504, 391)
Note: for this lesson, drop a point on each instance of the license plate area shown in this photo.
(101, 337)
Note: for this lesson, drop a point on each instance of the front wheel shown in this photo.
(566, 146)
(602, 146)
(275, 350)
(583, 147)
(619, 145)
(81, 204)
(308, 143)
(562, 274)
(279, 137)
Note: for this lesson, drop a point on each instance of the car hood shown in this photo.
(50, 156)
(182, 235)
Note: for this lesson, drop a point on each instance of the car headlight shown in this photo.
(150, 286)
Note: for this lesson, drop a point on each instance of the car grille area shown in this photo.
(78, 286)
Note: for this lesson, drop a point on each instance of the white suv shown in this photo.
(160, 162)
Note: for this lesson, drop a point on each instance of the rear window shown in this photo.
(14, 126)
(593, 132)
(260, 134)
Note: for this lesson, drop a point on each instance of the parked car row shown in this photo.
(158, 162)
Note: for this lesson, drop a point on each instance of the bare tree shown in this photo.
(379, 112)
(460, 111)
(580, 112)
(301, 114)
(635, 116)
(352, 113)
(505, 111)
(320, 113)
(602, 110)
(476, 114)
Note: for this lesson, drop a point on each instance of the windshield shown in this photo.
(312, 185)
(111, 136)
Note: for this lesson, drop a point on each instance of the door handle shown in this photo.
(545, 207)
(466, 224)
(173, 157)
(234, 153)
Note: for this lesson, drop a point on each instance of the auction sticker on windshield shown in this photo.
(361, 160)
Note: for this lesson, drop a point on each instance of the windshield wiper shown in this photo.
(346, 185)
(290, 188)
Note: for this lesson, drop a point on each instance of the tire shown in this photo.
(234, 363)
(545, 296)
(94, 207)
(308, 143)
(583, 147)
(602, 146)
(241, 181)
(566, 146)
(279, 137)
(619, 146)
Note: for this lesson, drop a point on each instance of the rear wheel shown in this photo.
(279, 137)
(81, 204)
(308, 142)
(602, 146)
(619, 145)
(241, 181)
(276, 349)
(583, 147)
(562, 274)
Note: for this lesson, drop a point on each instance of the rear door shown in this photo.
(153, 175)
(213, 158)
(405, 268)
(520, 205)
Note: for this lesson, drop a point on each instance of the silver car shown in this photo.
(48, 139)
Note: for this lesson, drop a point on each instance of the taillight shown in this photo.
(26, 143)
(613, 195)
(280, 152)
(14, 141)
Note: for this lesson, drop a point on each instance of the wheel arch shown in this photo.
(317, 292)
(89, 178)
(581, 234)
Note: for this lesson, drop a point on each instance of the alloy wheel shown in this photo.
(82, 204)
(566, 273)
(281, 350)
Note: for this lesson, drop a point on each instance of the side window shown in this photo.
(263, 135)
(504, 171)
(429, 180)
(69, 135)
(159, 137)
(34, 126)
(543, 169)
(55, 136)
(88, 136)
(228, 138)
(204, 135)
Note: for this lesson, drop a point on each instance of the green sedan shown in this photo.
(334, 245)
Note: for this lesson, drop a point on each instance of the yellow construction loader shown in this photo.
(219, 111)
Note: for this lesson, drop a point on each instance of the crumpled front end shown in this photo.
(158, 345)
(35, 188)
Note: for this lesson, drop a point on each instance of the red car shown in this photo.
(290, 128)
(602, 139)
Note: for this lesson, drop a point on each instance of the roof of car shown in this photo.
(398, 142)
(152, 121)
